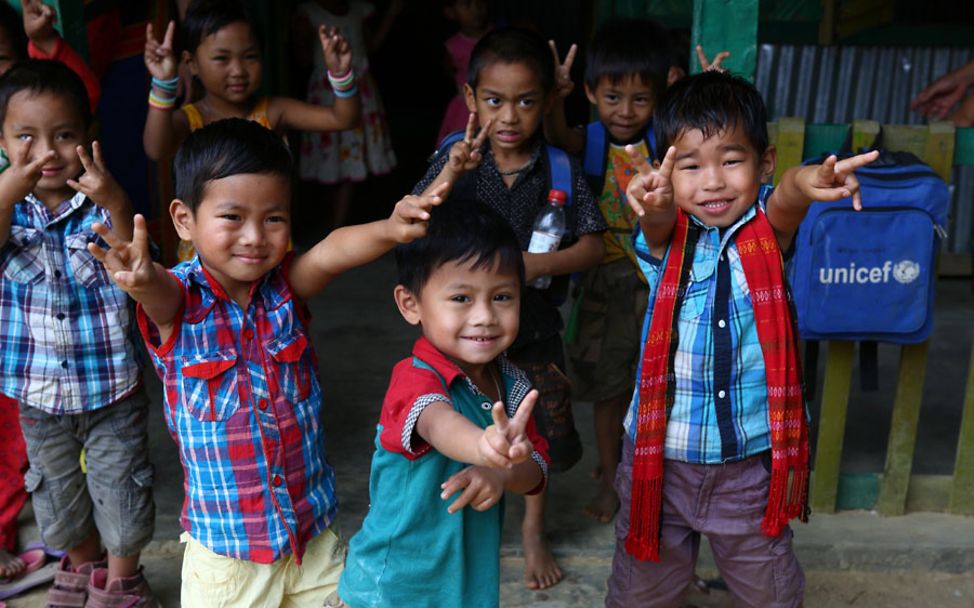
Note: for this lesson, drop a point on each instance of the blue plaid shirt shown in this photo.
(720, 411)
(66, 328)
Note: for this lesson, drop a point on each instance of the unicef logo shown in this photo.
(906, 271)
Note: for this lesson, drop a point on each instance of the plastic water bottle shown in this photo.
(549, 228)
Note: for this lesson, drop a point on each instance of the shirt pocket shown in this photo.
(698, 286)
(291, 354)
(88, 271)
(24, 264)
(209, 384)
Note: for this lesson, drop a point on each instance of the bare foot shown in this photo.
(603, 506)
(596, 472)
(10, 565)
(540, 569)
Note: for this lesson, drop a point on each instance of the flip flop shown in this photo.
(41, 576)
(37, 544)
(33, 559)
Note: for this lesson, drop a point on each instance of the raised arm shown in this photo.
(164, 128)
(833, 180)
(556, 128)
(17, 182)
(45, 43)
(351, 246)
(938, 98)
(130, 265)
(650, 194)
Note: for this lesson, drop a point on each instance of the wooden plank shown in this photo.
(903, 430)
(824, 138)
(831, 426)
(955, 265)
(722, 25)
(939, 151)
(962, 491)
(789, 140)
(864, 134)
(964, 146)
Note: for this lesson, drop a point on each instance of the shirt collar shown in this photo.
(532, 163)
(272, 289)
(515, 378)
(66, 208)
(763, 193)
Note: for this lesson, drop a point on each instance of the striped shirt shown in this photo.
(243, 403)
(720, 410)
(66, 328)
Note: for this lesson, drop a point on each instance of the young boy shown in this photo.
(627, 67)
(506, 167)
(438, 433)
(228, 334)
(720, 392)
(71, 362)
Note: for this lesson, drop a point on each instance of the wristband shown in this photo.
(161, 103)
(166, 85)
(352, 92)
(343, 82)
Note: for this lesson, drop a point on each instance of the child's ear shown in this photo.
(408, 304)
(673, 74)
(767, 163)
(590, 94)
(187, 58)
(470, 96)
(182, 219)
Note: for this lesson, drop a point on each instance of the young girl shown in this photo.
(223, 52)
(352, 155)
(471, 17)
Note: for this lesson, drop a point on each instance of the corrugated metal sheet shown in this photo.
(842, 84)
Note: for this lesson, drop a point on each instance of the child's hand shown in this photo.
(39, 23)
(128, 263)
(160, 59)
(650, 191)
(336, 50)
(410, 218)
(712, 66)
(96, 182)
(482, 488)
(465, 155)
(834, 179)
(505, 443)
(23, 174)
(563, 71)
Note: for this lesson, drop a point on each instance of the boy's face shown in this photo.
(511, 95)
(717, 179)
(228, 63)
(45, 121)
(624, 107)
(240, 228)
(470, 314)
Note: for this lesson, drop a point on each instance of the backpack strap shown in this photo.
(560, 172)
(596, 148)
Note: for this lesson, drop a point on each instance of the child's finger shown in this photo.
(96, 155)
(848, 165)
(482, 136)
(853, 185)
(439, 192)
(76, 186)
(35, 165)
(569, 58)
(99, 253)
(468, 494)
(669, 161)
(639, 162)
(520, 420)
(86, 161)
(702, 58)
(826, 171)
(471, 129)
(107, 235)
(499, 414)
(22, 153)
(140, 235)
(167, 38)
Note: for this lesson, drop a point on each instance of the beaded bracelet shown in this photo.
(344, 82)
(166, 85)
(352, 92)
(161, 103)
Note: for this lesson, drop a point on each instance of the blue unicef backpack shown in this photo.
(870, 275)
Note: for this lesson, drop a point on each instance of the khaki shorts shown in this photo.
(216, 581)
(610, 319)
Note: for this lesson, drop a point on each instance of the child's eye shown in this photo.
(689, 167)
(252, 56)
(25, 137)
(64, 136)
(611, 98)
(230, 217)
(274, 219)
(642, 100)
(525, 103)
(732, 161)
(492, 101)
(503, 297)
(220, 58)
(460, 299)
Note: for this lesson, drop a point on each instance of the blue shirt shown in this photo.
(720, 410)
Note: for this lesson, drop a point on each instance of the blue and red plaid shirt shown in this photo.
(65, 327)
(243, 403)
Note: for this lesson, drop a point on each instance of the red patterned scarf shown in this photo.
(763, 268)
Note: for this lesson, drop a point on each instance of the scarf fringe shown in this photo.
(642, 542)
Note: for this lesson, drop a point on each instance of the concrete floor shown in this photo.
(359, 335)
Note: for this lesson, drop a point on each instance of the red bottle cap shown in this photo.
(558, 197)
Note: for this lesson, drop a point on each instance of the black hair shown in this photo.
(462, 231)
(232, 146)
(43, 76)
(629, 47)
(12, 25)
(711, 102)
(512, 45)
(207, 17)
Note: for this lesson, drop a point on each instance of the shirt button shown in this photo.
(60, 316)
(486, 405)
(277, 481)
(64, 364)
(721, 324)
(721, 394)
(262, 404)
(57, 274)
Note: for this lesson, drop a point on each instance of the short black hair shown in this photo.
(12, 25)
(512, 45)
(233, 146)
(462, 231)
(622, 48)
(44, 76)
(711, 102)
(207, 17)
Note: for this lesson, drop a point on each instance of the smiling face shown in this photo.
(624, 107)
(470, 314)
(46, 122)
(510, 95)
(716, 179)
(228, 64)
(240, 228)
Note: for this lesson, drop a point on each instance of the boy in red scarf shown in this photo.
(716, 438)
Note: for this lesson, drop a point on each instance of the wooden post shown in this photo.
(831, 426)
(789, 140)
(962, 490)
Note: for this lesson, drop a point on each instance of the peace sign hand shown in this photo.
(96, 182)
(650, 191)
(506, 443)
(129, 263)
(160, 58)
(410, 217)
(834, 179)
(335, 49)
(712, 66)
(22, 175)
(465, 155)
(563, 71)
